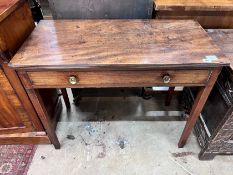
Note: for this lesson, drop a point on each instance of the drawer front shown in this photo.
(84, 79)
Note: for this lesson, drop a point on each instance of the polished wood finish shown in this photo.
(19, 122)
(12, 116)
(51, 79)
(7, 7)
(118, 53)
(209, 13)
(208, 20)
(117, 44)
(224, 39)
(15, 29)
(25, 138)
(206, 5)
(22, 96)
(42, 111)
(198, 106)
(44, 117)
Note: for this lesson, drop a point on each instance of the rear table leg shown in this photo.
(65, 97)
(169, 96)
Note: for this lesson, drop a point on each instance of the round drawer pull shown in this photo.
(73, 80)
(166, 78)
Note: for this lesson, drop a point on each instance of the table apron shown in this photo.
(98, 79)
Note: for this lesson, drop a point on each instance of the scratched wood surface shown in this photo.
(224, 39)
(118, 43)
(213, 5)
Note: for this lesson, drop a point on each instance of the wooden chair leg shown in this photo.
(169, 96)
(198, 106)
(66, 98)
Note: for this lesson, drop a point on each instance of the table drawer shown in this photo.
(118, 78)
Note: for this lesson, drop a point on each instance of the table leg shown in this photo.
(43, 115)
(169, 96)
(65, 97)
(198, 106)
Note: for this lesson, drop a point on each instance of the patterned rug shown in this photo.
(15, 159)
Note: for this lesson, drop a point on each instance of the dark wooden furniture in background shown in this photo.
(19, 122)
(215, 130)
(99, 9)
(139, 53)
(209, 13)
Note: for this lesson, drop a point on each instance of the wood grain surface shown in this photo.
(25, 138)
(19, 123)
(25, 103)
(8, 6)
(210, 14)
(14, 30)
(118, 44)
(224, 39)
(52, 79)
(207, 19)
(209, 5)
(13, 117)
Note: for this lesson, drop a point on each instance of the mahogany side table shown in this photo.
(118, 53)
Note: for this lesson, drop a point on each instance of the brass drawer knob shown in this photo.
(73, 80)
(166, 78)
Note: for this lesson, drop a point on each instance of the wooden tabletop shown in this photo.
(212, 5)
(8, 6)
(224, 39)
(118, 43)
